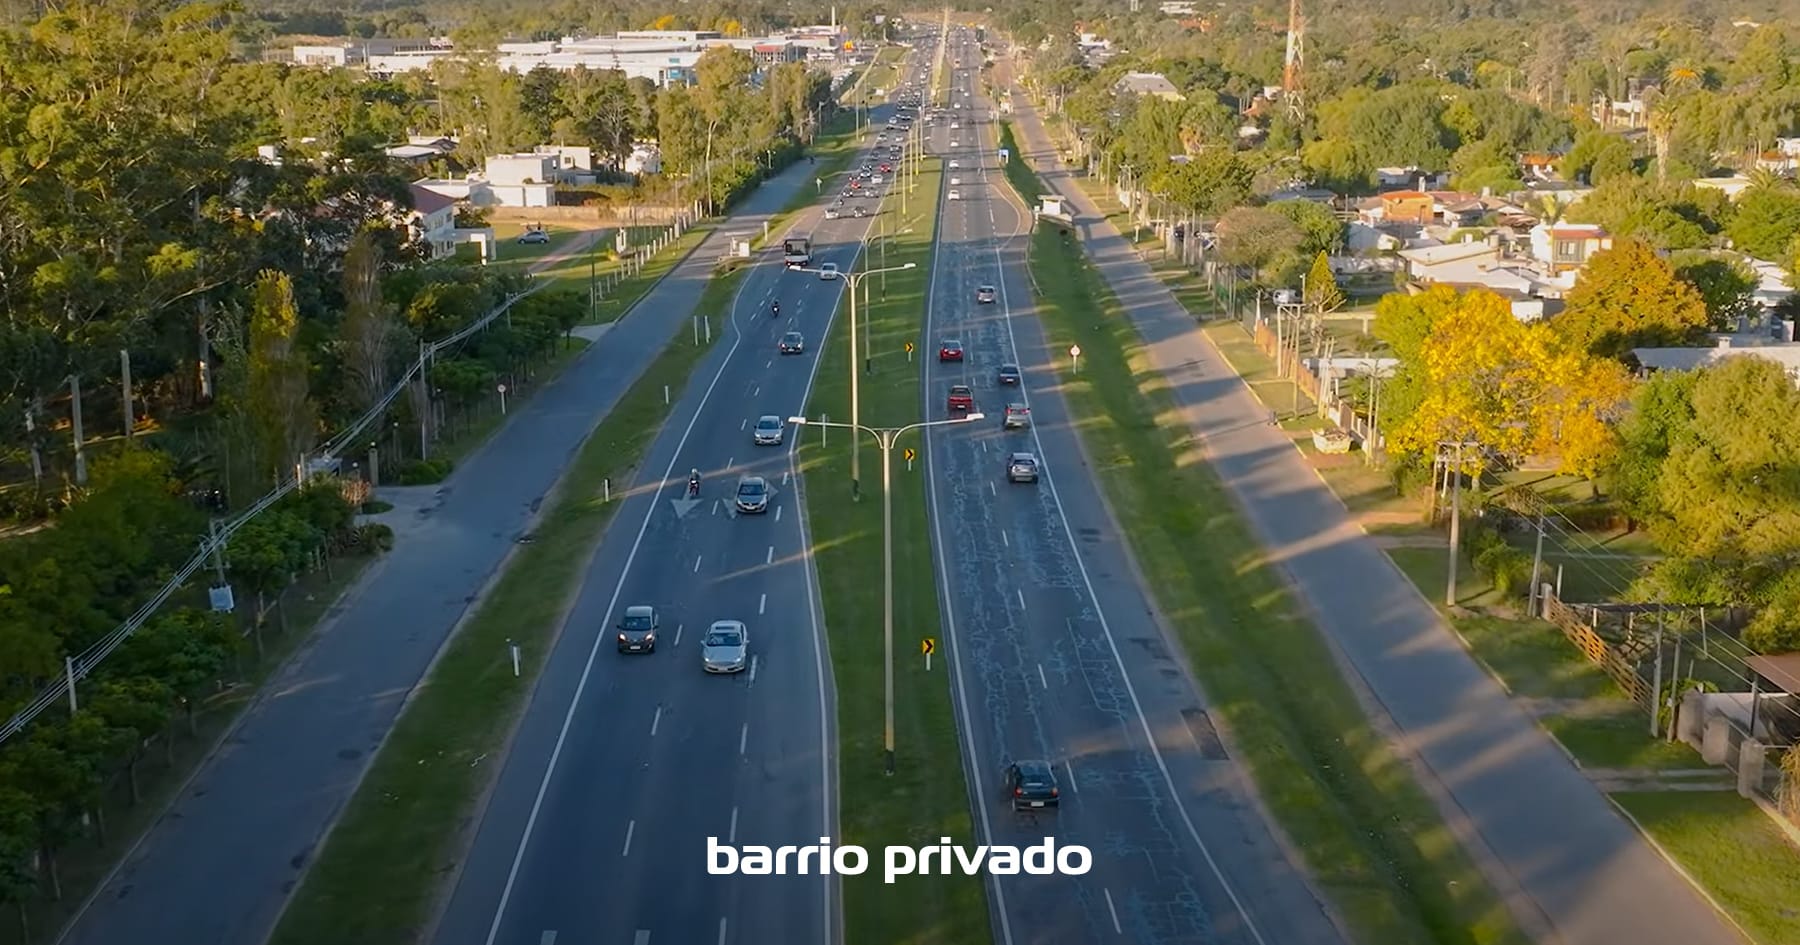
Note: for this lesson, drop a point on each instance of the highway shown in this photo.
(1570, 868)
(217, 867)
(1057, 652)
(624, 765)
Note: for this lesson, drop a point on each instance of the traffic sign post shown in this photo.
(502, 389)
(911, 454)
(928, 646)
(909, 351)
(1075, 357)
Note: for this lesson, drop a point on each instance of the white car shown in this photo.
(828, 271)
(956, 195)
(955, 165)
(768, 431)
(726, 647)
(955, 181)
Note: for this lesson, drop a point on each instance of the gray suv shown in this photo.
(637, 629)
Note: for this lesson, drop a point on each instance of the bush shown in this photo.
(1593, 516)
(425, 472)
(1507, 568)
(369, 539)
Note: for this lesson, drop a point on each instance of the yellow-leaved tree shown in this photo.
(1582, 398)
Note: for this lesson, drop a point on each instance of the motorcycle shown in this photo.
(775, 310)
(693, 489)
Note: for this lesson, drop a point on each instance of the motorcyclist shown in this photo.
(775, 308)
(694, 482)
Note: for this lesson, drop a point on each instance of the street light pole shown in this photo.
(853, 279)
(886, 438)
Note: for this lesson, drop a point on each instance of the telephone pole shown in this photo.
(1455, 472)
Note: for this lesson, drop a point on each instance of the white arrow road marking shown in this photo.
(683, 506)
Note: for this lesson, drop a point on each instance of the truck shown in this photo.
(796, 251)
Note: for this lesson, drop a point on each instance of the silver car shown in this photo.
(753, 495)
(1022, 467)
(768, 431)
(726, 647)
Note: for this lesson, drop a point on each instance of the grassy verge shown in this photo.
(377, 877)
(472, 431)
(1732, 849)
(1374, 842)
(578, 272)
(166, 768)
(927, 798)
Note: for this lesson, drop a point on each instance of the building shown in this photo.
(356, 52)
(1566, 247)
(644, 159)
(432, 220)
(1773, 341)
(1151, 84)
(1405, 206)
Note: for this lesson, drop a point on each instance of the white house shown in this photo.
(644, 159)
(433, 220)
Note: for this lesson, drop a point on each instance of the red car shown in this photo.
(950, 351)
(961, 398)
(886, 167)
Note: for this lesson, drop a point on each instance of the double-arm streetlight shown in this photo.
(886, 437)
(854, 279)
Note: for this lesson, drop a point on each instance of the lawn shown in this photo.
(1621, 739)
(1731, 848)
(1373, 841)
(620, 288)
(928, 797)
(377, 877)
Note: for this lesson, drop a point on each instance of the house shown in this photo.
(1566, 247)
(572, 161)
(1731, 187)
(519, 169)
(1406, 206)
(1774, 342)
(776, 53)
(1151, 84)
(644, 159)
(432, 220)
(1396, 178)
(1539, 164)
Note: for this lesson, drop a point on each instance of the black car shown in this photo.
(1031, 785)
(793, 343)
(1009, 375)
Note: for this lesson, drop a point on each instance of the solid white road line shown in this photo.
(732, 836)
(762, 605)
(587, 669)
(744, 738)
(656, 720)
(630, 829)
(642, 937)
(548, 938)
(721, 930)
(1042, 680)
(697, 563)
(1115, 912)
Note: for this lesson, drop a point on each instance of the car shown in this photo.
(1031, 785)
(961, 398)
(886, 168)
(1009, 375)
(831, 213)
(956, 195)
(876, 179)
(950, 350)
(859, 211)
(1018, 417)
(726, 647)
(534, 236)
(1021, 467)
(752, 495)
(637, 629)
(767, 431)
(955, 125)
(793, 343)
(986, 294)
(829, 270)
(954, 181)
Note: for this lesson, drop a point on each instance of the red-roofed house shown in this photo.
(1407, 206)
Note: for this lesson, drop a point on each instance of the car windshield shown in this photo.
(724, 638)
(750, 488)
(959, 389)
(635, 623)
(768, 423)
(792, 336)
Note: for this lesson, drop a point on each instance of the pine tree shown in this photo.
(1322, 292)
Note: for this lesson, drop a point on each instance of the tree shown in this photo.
(1263, 240)
(1321, 230)
(1322, 292)
(1208, 184)
(369, 334)
(1767, 221)
(1628, 297)
(279, 400)
(1726, 285)
(1596, 157)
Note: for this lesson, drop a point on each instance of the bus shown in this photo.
(796, 251)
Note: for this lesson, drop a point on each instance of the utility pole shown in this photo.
(75, 422)
(1455, 519)
(1537, 562)
(125, 383)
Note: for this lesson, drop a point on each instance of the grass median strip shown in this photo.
(1372, 839)
(927, 797)
(377, 877)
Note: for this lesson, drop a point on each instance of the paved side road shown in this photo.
(1572, 869)
(218, 865)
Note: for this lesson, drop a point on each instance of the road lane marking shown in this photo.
(656, 720)
(744, 738)
(721, 930)
(715, 507)
(753, 670)
(732, 836)
(778, 513)
(769, 558)
(745, 425)
(1021, 597)
(984, 446)
(730, 463)
(1044, 681)
(1071, 769)
(697, 563)
(994, 489)
(784, 473)
(762, 605)
(1005, 540)
(587, 669)
(642, 937)
(1115, 912)
(754, 389)
(548, 938)
(678, 633)
(630, 829)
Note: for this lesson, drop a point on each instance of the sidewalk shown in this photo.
(1568, 865)
(218, 864)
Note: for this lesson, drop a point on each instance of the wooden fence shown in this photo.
(1622, 660)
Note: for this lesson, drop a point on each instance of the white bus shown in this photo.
(796, 251)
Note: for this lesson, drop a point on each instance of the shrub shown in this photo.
(1593, 516)
(425, 472)
(371, 538)
(1507, 568)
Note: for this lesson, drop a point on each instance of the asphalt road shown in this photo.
(218, 866)
(625, 765)
(1573, 869)
(1058, 653)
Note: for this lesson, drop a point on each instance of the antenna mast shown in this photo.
(1291, 88)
